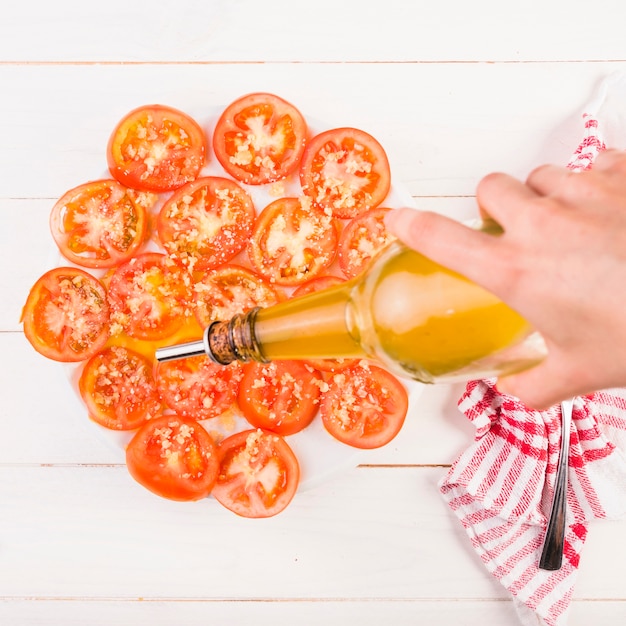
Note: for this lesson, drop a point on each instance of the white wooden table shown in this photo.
(453, 90)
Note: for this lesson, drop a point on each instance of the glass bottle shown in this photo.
(415, 317)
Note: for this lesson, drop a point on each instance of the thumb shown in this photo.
(539, 387)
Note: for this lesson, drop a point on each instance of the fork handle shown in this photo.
(552, 553)
(554, 541)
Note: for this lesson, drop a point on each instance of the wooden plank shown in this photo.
(328, 544)
(402, 30)
(461, 110)
(79, 611)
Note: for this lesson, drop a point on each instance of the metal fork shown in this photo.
(552, 553)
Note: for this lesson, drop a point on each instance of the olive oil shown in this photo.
(417, 318)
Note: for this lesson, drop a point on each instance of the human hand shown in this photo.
(561, 263)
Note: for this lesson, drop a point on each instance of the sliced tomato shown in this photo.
(292, 243)
(230, 290)
(206, 223)
(156, 148)
(260, 138)
(118, 389)
(197, 387)
(259, 474)
(66, 315)
(365, 406)
(345, 171)
(317, 284)
(173, 457)
(101, 223)
(281, 396)
(149, 297)
(361, 240)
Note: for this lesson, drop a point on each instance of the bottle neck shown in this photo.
(234, 340)
(314, 326)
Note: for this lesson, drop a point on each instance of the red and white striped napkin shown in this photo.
(501, 486)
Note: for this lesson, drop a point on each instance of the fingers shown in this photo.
(444, 240)
(503, 198)
(611, 160)
(546, 384)
(529, 389)
(572, 186)
(549, 179)
(532, 388)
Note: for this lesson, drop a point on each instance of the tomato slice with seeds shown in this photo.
(361, 240)
(230, 290)
(149, 297)
(365, 406)
(156, 148)
(174, 458)
(101, 223)
(66, 315)
(292, 243)
(197, 387)
(206, 223)
(259, 474)
(345, 171)
(118, 389)
(281, 396)
(260, 138)
(317, 284)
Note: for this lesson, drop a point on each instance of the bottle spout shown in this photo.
(180, 351)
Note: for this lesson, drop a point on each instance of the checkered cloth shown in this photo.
(501, 487)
